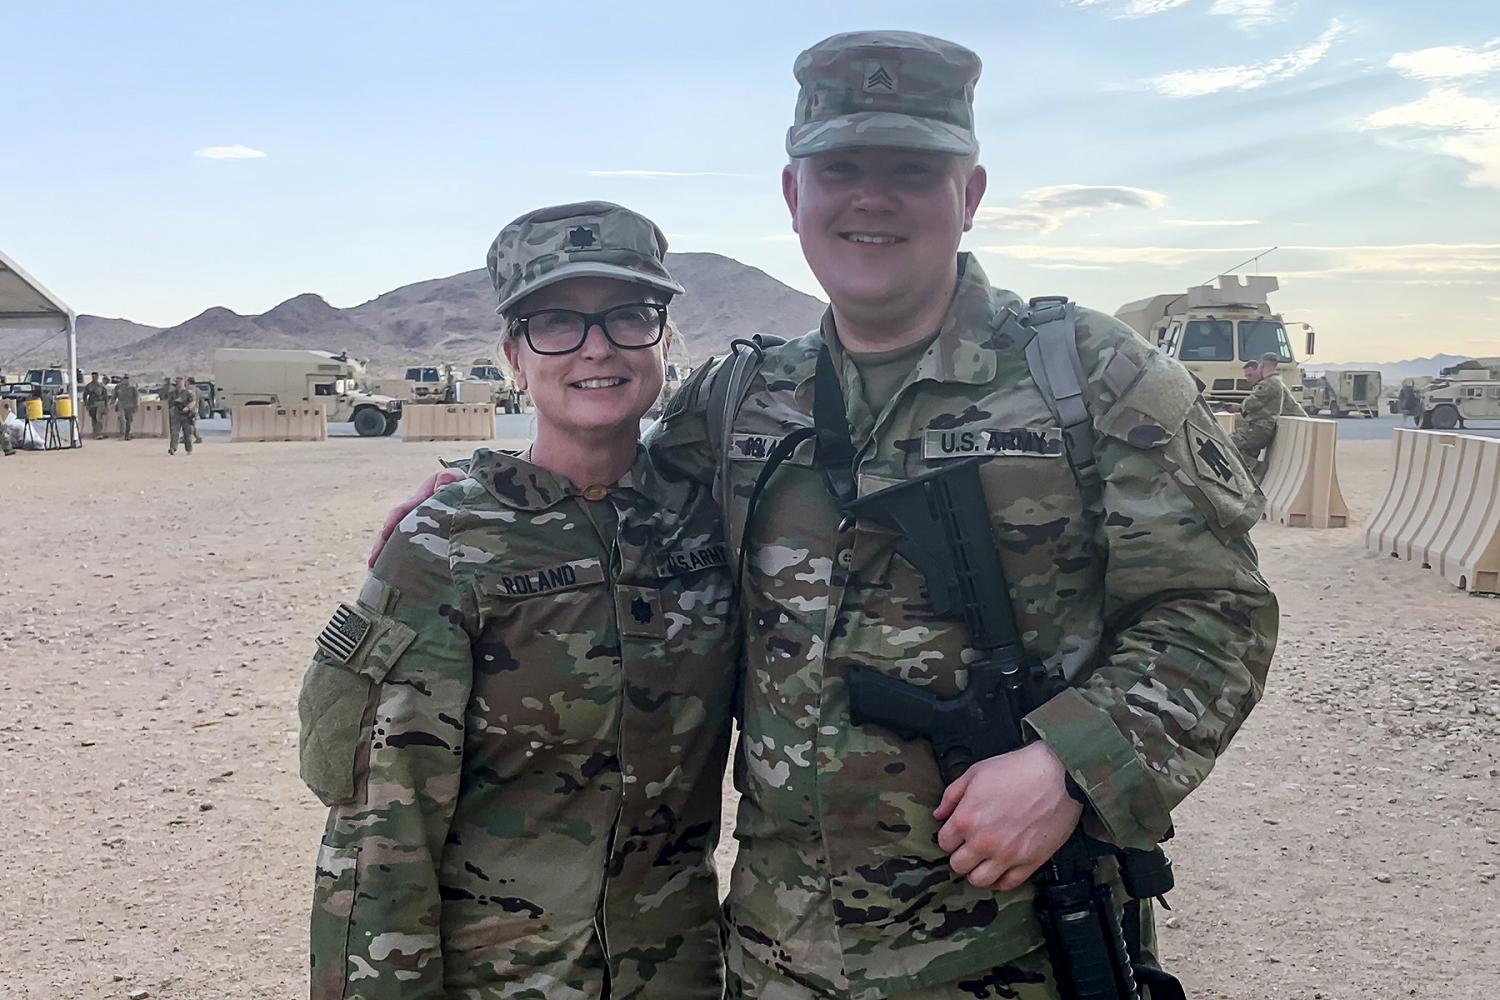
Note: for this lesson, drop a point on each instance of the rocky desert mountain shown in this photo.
(440, 320)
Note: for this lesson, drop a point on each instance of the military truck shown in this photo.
(255, 377)
(1214, 329)
(1466, 391)
(50, 382)
(487, 378)
(1341, 394)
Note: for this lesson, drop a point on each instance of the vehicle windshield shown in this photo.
(1263, 336)
(1208, 340)
(485, 374)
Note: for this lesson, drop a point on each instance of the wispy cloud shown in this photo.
(1414, 263)
(1449, 122)
(1044, 209)
(1250, 76)
(1447, 62)
(1211, 223)
(657, 174)
(1247, 14)
(228, 153)
(1133, 8)
(1244, 13)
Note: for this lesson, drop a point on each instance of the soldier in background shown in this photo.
(127, 401)
(1268, 400)
(1409, 402)
(182, 405)
(95, 399)
(6, 448)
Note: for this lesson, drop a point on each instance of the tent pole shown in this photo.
(73, 380)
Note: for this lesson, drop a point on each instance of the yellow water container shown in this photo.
(33, 409)
(62, 406)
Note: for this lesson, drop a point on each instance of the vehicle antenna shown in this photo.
(1252, 260)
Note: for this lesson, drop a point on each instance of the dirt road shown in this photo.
(158, 613)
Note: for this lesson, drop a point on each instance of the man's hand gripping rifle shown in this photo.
(944, 524)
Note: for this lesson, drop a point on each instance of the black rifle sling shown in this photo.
(834, 454)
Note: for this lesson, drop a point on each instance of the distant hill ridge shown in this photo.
(441, 319)
(1392, 371)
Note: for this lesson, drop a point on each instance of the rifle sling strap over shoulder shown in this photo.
(1057, 370)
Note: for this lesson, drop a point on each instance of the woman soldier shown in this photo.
(521, 723)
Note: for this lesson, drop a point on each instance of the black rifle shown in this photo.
(944, 524)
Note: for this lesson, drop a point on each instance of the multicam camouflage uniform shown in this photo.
(521, 733)
(95, 399)
(127, 401)
(1146, 598)
(182, 410)
(1268, 400)
(522, 724)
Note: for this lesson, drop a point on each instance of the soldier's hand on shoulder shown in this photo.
(429, 486)
(1006, 816)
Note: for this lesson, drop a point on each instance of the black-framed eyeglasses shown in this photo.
(630, 327)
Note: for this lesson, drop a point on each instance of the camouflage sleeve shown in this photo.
(1190, 624)
(679, 442)
(1257, 421)
(1290, 407)
(382, 711)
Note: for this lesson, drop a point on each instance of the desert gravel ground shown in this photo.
(158, 612)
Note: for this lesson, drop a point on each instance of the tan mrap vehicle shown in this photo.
(1466, 391)
(1341, 394)
(254, 377)
(1214, 329)
(487, 378)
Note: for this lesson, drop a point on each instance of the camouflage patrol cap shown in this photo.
(890, 89)
(584, 239)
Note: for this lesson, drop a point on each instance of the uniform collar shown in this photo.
(964, 351)
(520, 485)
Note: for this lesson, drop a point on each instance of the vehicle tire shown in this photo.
(369, 422)
(392, 421)
(1444, 417)
(1337, 413)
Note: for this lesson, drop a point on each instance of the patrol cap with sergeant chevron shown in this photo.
(584, 239)
(884, 89)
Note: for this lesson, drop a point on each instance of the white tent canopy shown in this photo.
(26, 305)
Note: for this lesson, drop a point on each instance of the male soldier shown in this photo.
(96, 403)
(182, 404)
(127, 401)
(6, 448)
(1269, 398)
(859, 876)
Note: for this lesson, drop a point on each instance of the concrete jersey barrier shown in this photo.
(302, 422)
(1302, 482)
(448, 422)
(150, 420)
(1442, 507)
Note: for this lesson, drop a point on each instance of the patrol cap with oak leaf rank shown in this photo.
(585, 239)
(884, 89)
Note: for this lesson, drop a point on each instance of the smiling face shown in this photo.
(598, 387)
(880, 227)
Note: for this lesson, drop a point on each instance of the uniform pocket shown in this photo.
(337, 705)
(333, 710)
(332, 916)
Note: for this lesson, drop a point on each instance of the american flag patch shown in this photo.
(344, 632)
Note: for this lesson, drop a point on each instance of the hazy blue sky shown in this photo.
(160, 158)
